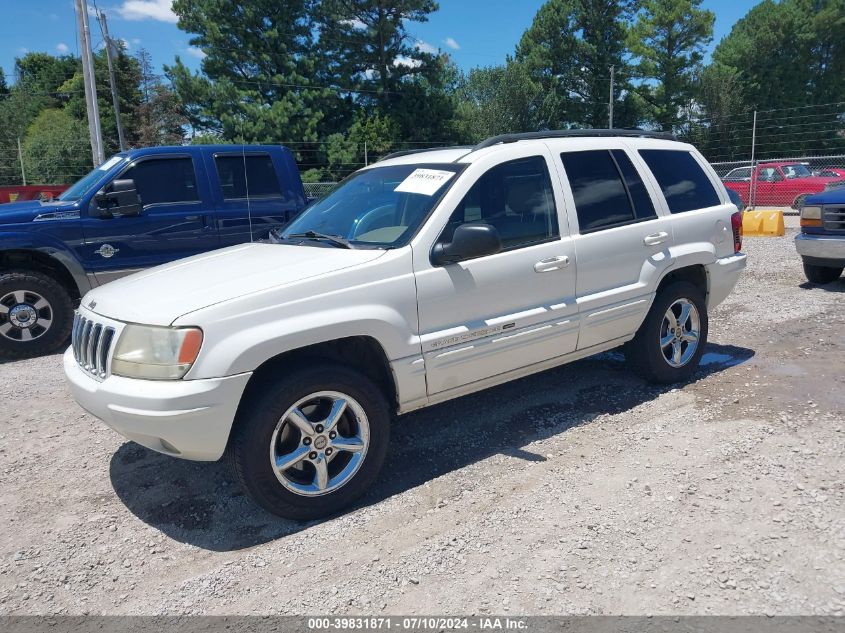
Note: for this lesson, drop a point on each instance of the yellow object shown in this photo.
(763, 223)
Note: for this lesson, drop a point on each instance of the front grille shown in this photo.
(92, 345)
(834, 218)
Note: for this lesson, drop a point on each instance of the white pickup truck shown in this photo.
(424, 277)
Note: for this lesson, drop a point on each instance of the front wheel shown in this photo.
(821, 274)
(312, 443)
(668, 346)
(36, 314)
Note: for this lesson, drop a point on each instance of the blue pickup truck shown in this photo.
(821, 242)
(138, 209)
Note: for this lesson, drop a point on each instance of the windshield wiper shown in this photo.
(332, 239)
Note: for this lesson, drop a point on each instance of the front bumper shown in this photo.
(190, 419)
(723, 275)
(827, 248)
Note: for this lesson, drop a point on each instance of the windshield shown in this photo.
(80, 187)
(379, 207)
(796, 171)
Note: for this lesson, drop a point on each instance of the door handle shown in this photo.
(551, 263)
(655, 238)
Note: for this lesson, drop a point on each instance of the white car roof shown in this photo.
(467, 154)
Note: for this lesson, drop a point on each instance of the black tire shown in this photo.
(644, 353)
(821, 274)
(59, 310)
(253, 434)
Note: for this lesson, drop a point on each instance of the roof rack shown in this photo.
(407, 152)
(578, 133)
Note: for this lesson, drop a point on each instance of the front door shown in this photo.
(491, 315)
(173, 223)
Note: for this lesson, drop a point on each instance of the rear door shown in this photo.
(176, 219)
(251, 197)
(621, 238)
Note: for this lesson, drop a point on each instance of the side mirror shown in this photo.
(470, 241)
(119, 199)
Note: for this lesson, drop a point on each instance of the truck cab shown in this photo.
(138, 209)
(821, 242)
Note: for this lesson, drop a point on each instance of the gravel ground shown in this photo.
(581, 490)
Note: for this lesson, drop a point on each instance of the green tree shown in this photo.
(569, 49)
(366, 46)
(791, 54)
(56, 148)
(668, 39)
(498, 99)
(259, 79)
(369, 137)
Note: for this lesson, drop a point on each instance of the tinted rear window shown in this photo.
(253, 174)
(685, 185)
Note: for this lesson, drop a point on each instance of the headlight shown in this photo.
(156, 353)
(811, 216)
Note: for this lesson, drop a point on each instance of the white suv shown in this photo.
(424, 277)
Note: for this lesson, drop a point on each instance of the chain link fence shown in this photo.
(317, 190)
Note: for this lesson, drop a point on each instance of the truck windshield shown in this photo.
(379, 207)
(80, 187)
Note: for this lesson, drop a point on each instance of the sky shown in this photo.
(473, 32)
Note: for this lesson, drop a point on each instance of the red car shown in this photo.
(782, 184)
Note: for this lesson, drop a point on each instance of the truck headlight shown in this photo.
(811, 216)
(156, 353)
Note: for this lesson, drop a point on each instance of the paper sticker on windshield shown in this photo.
(424, 181)
(111, 162)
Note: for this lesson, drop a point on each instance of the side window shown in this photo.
(516, 198)
(601, 198)
(253, 173)
(685, 185)
(163, 180)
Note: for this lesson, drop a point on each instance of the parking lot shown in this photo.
(581, 490)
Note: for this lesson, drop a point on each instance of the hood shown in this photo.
(28, 210)
(161, 295)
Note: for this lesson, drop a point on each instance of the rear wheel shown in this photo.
(821, 274)
(669, 344)
(36, 313)
(312, 443)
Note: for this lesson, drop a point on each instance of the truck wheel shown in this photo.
(821, 274)
(312, 442)
(36, 314)
(668, 346)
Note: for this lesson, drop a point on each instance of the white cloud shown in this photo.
(401, 60)
(62, 48)
(160, 10)
(193, 51)
(452, 43)
(355, 23)
(425, 47)
(126, 44)
(23, 51)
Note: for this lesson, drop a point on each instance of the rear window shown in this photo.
(253, 174)
(684, 184)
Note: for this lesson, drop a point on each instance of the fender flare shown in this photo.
(55, 249)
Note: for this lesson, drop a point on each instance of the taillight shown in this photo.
(736, 225)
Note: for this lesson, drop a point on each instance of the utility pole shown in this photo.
(115, 100)
(366, 160)
(20, 158)
(90, 86)
(610, 102)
